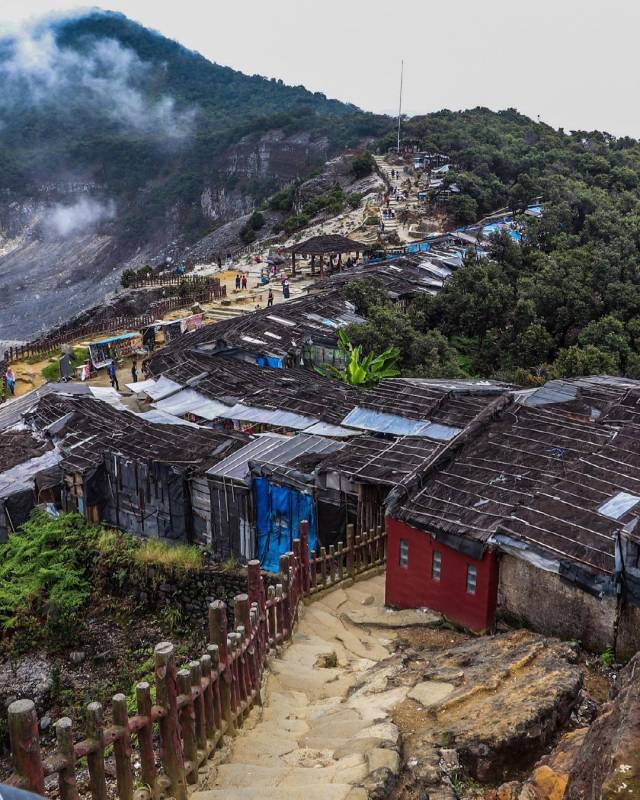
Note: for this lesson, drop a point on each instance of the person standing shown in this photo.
(270, 298)
(285, 288)
(244, 280)
(237, 281)
(134, 370)
(113, 375)
(10, 378)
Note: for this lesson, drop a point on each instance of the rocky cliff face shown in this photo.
(62, 249)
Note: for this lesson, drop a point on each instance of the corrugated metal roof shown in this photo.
(188, 401)
(162, 418)
(326, 429)
(141, 386)
(11, 412)
(20, 478)
(236, 466)
(381, 422)
(273, 450)
(281, 419)
(162, 388)
(552, 392)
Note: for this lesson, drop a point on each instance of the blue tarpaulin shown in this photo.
(279, 510)
(418, 247)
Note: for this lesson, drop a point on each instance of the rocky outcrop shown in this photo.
(484, 709)
(608, 762)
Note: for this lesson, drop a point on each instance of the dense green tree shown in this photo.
(587, 360)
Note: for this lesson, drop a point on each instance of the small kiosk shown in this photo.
(103, 351)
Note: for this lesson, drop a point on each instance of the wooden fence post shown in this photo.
(208, 699)
(214, 654)
(272, 630)
(145, 737)
(95, 759)
(280, 611)
(188, 725)
(297, 560)
(195, 668)
(304, 555)
(351, 559)
(67, 776)
(122, 748)
(218, 636)
(170, 745)
(286, 602)
(25, 744)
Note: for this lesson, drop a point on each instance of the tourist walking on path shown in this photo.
(270, 298)
(237, 281)
(10, 377)
(113, 376)
(285, 288)
(244, 281)
(134, 370)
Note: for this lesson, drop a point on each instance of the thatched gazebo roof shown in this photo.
(329, 244)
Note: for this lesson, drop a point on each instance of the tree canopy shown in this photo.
(565, 300)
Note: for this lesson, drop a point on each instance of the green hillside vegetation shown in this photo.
(564, 302)
(52, 567)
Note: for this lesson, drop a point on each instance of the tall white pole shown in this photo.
(400, 105)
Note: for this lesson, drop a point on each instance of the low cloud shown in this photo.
(36, 70)
(82, 216)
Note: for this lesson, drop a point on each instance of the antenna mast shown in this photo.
(400, 105)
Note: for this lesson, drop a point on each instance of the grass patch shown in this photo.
(181, 556)
(52, 371)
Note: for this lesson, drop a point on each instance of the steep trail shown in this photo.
(323, 732)
(392, 225)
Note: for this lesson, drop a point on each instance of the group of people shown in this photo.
(112, 372)
(241, 281)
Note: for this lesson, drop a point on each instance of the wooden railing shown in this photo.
(67, 334)
(172, 279)
(195, 706)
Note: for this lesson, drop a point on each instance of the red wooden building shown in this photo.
(422, 572)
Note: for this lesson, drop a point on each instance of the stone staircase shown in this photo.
(323, 732)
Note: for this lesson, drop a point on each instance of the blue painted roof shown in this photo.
(116, 338)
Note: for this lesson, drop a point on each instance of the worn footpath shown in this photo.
(322, 732)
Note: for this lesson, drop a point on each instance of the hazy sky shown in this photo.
(572, 62)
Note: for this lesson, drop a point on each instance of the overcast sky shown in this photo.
(574, 63)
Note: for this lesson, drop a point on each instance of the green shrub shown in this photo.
(44, 571)
(363, 165)
(371, 220)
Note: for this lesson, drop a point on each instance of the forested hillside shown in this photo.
(564, 302)
(104, 99)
